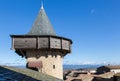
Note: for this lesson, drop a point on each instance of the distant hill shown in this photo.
(81, 66)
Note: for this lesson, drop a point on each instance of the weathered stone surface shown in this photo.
(52, 62)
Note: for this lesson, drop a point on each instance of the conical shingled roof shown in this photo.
(42, 25)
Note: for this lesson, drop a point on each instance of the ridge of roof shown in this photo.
(27, 73)
(112, 66)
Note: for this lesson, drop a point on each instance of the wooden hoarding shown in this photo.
(24, 43)
(43, 43)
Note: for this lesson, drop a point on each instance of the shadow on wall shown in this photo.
(7, 74)
(116, 78)
(102, 79)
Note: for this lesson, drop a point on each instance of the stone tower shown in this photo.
(43, 50)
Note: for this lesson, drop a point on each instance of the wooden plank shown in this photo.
(24, 43)
(55, 43)
(43, 43)
(65, 44)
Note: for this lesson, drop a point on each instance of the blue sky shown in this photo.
(93, 26)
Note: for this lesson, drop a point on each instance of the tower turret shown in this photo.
(43, 50)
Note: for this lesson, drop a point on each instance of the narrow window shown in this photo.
(53, 66)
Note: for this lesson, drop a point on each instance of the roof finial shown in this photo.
(42, 4)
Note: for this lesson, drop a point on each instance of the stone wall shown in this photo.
(51, 60)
